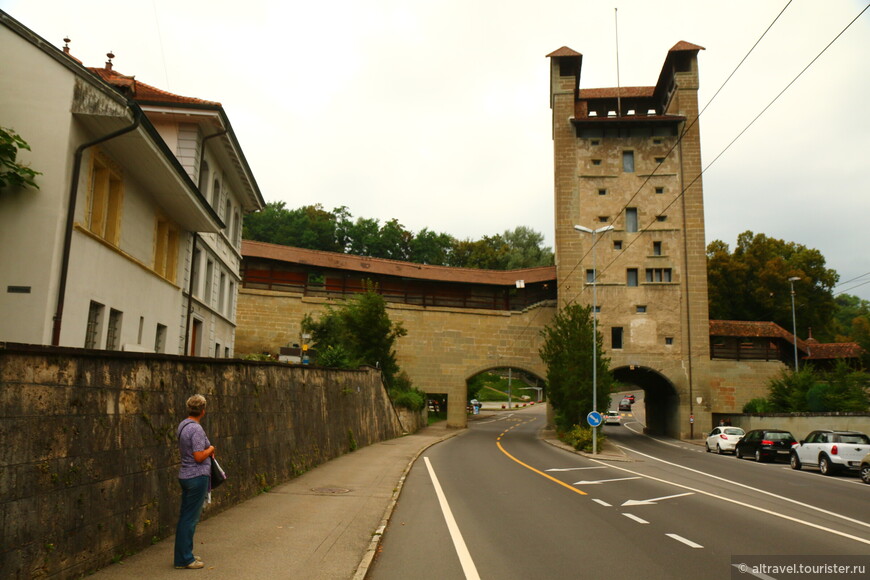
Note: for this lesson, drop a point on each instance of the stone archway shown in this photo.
(660, 395)
(521, 387)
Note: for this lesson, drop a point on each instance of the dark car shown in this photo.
(630, 398)
(765, 444)
(625, 405)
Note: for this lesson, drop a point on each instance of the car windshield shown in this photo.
(779, 436)
(734, 431)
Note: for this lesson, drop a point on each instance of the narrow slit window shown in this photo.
(631, 219)
(628, 161)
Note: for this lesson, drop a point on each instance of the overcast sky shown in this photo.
(436, 112)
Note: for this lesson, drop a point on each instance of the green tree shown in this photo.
(13, 173)
(840, 389)
(362, 329)
(752, 284)
(428, 247)
(567, 353)
(525, 249)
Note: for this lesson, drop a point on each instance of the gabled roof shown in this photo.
(683, 45)
(564, 51)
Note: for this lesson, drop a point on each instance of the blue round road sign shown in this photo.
(594, 419)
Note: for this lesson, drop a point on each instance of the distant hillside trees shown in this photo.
(314, 228)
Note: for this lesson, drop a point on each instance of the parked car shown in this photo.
(612, 418)
(625, 405)
(831, 451)
(765, 444)
(723, 438)
(865, 469)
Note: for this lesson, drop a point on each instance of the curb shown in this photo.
(375, 542)
(611, 455)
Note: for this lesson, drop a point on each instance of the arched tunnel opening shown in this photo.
(498, 384)
(660, 398)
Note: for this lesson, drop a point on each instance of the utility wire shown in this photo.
(685, 188)
(680, 140)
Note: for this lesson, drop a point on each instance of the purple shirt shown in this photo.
(192, 439)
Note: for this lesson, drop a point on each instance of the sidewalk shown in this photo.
(323, 524)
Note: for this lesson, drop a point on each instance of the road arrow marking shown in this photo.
(575, 468)
(603, 481)
(654, 500)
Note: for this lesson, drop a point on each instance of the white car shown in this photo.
(723, 438)
(612, 418)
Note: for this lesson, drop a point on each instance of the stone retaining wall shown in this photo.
(89, 459)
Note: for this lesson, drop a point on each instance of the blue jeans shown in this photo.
(193, 492)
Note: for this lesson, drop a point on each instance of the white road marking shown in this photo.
(602, 502)
(458, 543)
(750, 506)
(801, 504)
(689, 543)
(635, 518)
(603, 481)
(575, 468)
(654, 500)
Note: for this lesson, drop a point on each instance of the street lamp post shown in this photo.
(791, 282)
(594, 329)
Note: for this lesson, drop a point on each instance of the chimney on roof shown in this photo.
(110, 56)
(66, 41)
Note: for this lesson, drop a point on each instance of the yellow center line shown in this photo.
(550, 477)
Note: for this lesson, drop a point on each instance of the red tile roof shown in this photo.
(384, 267)
(814, 350)
(564, 51)
(683, 45)
(834, 350)
(144, 92)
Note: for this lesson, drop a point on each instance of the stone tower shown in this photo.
(630, 158)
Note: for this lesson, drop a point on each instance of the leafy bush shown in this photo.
(405, 395)
(580, 438)
(413, 400)
(335, 357)
(759, 405)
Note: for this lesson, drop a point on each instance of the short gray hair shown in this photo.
(195, 405)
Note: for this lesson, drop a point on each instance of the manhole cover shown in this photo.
(330, 490)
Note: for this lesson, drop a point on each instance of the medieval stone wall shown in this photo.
(89, 460)
(443, 348)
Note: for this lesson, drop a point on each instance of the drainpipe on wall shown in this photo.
(193, 249)
(70, 217)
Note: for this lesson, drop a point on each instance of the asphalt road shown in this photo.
(498, 502)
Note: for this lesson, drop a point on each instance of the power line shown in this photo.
(679, 141)
(685, 188)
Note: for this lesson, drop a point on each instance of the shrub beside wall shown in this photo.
(89, 457)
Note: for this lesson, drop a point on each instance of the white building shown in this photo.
(140, 202)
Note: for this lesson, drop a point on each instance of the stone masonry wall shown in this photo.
(89, 460)
(444, 347)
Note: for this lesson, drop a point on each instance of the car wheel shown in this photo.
(865, 472)
(794, 461)
(825, 465)
(737, 453)
(719, 449)
(758, 457)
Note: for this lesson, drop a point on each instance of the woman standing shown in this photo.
(193, 476)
